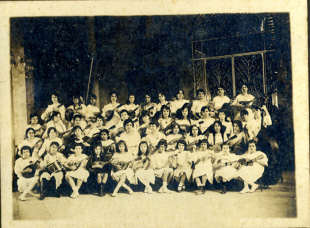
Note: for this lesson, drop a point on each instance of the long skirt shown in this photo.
(252, 173)
(129, 174)
(23, 183)
(227, 172)
(81, 174)
(145, 176)
(204, 168)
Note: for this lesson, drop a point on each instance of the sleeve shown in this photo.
(62, 111)
(18, 168)
(46, 112)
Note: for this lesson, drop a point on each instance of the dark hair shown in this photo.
(180, 91)
(222, 130)
(55, 94)
(191, 128)
(49, 130)
(95, 146)
(29, 129)
(225, 144)
(242, 84)
(100, 117)
(244, 112)
(33, 115)
(173, 125)
(128, 121)
(76, 127)
(78, 97)
(119, 143)
(200, 90)
(54, 143)
(55, 113)
(204, 108)
(122, 111)
(251, 141)
(256, 107)
(26, 148)
(113, 92)
(165, 107)
(239, 123)
(78, 144)
(182, 141)
(93, 96)
(106, 131)
(185, 106)
(131, 94)
(143, 114)
(162, 142)
(147, 149)
(76, 116)
(220, 86)
(153, 122)
(203, 141)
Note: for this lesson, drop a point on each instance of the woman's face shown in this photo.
(78, 150)
(53, 149)
(121, 147)
(77, 121)
(104, 136)
(180, 95)
(147, 98)
(181, 147)
(206, 113)
(236, 128)
(195, 131)
(244, 89)
(92, 101)
(200, 95)
(217, 128)
(220, 91)
(146, 119)
(113, 97)
(252, 147)
(99, 122)
(97, 150)
(75, 100)
(176, 130)
(30, 134)
(131, 99)
(78, 132)
(162, 148)
(128, 127)
(26, 154)
(54, 99)
(152, 127)
(34, 120)
(225, 148)
(185, 112)
(124, 116)
(204, 146)
(161, 97)
(143, 148)
(221, 116)
(166, 113)
(52, 134)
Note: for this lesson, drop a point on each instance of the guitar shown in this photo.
(76, 165)
(132, 113)
(110, 113)
(33, 167)
(248, 162)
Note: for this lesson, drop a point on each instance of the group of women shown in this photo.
(196, 141)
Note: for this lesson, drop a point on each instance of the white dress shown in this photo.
(172, 141)
(90, 110)
(177, 104)
(49, 159)
(26, 142)
(183, 165)
(23, 182)
(219, 101)
(60, 127)
(153, 139)
(227, 172)
(109, 107)
(126, 157)
(160, 164)
(198, 104)
(81, 173)
(145, 175)
(252, 173)
(132, 141)
(203, 167)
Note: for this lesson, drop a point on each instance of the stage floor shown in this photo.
(277, 202)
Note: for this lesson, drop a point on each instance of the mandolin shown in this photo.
(33, 167)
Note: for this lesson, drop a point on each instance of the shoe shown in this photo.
(254, 187)
(200, 189)
(145, 189)
(22, 197)
(166, 190)
(149, 190)
(114, 194)
(130, 192)
(245, 190)
(180, 188)
(160, 190)
(224, 189)
(101, 192)
(75, 195)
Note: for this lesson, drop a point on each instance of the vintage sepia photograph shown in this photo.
(153, 120)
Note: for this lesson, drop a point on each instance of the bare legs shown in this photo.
(121, 183)
(28, 189)
(75, 187)
(167, 175)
